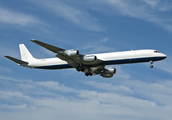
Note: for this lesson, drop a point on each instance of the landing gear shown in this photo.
(151, 62)
(88, 74)
(79, 68)
(151, 66)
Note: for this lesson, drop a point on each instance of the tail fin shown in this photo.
(25, 54)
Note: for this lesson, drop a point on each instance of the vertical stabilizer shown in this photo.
(25, 54)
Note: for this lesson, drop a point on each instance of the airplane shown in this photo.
(91, 64)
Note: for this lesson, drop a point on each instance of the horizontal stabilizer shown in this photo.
(47, 46)
(16, 60)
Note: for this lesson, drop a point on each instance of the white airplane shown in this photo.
(92, 64)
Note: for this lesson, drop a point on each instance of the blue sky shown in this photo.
(92, 26)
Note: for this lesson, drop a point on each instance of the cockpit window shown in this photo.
(156, 51)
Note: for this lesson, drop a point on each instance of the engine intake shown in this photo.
(90, 58)
(71, 52)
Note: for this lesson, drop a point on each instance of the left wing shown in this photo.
(72, 57)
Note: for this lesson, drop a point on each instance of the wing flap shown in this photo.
(16, 60)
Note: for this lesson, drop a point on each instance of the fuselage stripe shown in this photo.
(109, 62)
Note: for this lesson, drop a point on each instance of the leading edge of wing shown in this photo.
(48, 46)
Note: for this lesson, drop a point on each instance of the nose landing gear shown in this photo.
(151, 64)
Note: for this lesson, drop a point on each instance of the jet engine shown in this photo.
(90, 58)
(108, 72)
(71, 52)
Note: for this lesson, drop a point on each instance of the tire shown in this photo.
(151, 66)
(86, 74)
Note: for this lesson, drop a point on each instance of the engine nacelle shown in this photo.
(109, 71)
(71, 52)
(90, 58)
(106, 75)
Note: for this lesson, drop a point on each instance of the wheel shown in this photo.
(82, 69)
(86, 74)
(78, 69)
(151, 66)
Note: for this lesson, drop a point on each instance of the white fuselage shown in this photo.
(112, 58)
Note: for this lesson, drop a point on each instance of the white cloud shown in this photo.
(160, 5)
(141, 10)
(98, 46)
(152, 3)
(72, 14)
(88, 104)
(55, 86)
(109, 86)
(16, 18)
(4, 69)
(159, 92)
(9, 79)
(165, 65)
(11, 94)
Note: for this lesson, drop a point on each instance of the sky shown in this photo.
(135, 92)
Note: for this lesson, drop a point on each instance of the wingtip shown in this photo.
(32, 40)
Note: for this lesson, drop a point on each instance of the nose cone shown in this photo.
(164, 56)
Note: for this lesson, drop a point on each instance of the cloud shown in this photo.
(9, 79)
(152, 3)
(150, 11)
(95, 47)
(55, 86)
(16, 18)
(165, 65)
(4, 69)
(109, 87)
(160, 5)
(11, 94)
(105, 102)
(72, 14)
(159, 92)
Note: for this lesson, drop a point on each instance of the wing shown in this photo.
(74, 61)
(49, 47)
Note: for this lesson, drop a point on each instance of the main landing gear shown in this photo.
(151, 64)
(79, 68)
(88, 74)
